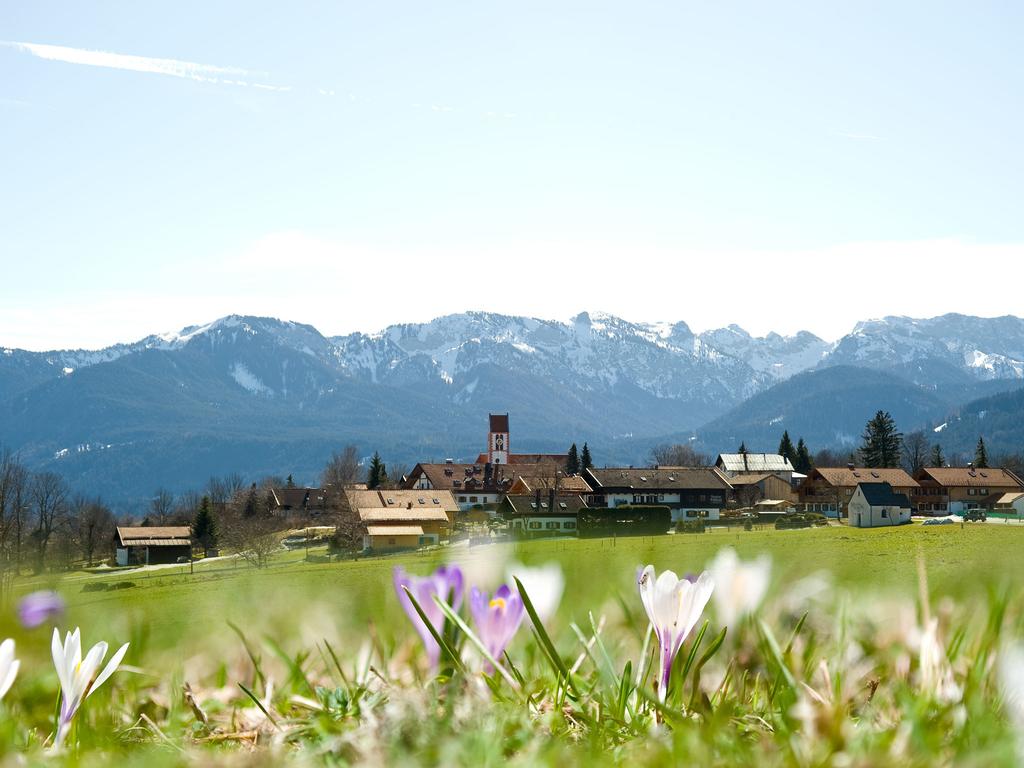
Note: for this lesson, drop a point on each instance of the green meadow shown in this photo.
(340, 676)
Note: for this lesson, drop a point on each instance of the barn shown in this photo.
(152, 545)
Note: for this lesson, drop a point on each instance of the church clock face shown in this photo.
(499, 443)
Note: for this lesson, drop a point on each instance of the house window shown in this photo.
(552, 526)
(472, 498)
(983, 492)
(462, 498)
(391, 542)
(885, 513)
(970, 491)
(569, 525)
(534, 524)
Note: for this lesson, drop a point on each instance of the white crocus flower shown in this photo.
(1011, 683)
(544, 584)
(8, 666)
(78, 677)
(936, 674)
(739, 586)
(674, 606)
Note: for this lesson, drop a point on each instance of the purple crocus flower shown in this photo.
(446, 583)
(38, 608)
(496, 618)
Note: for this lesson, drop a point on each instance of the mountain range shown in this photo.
(264, 396)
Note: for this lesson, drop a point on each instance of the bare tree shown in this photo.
(396, 474)
(342, 469)
(1014, 462)
(14, 482)
(826, 457)
(248, 527)
(221, 490)
(49, 495)
(161, 506)
(186, 508)
(915, 452)
(678, 455)
(748, 494)
(93, 524)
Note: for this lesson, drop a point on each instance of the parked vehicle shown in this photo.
(975, 516)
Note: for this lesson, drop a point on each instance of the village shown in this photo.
(503, 495)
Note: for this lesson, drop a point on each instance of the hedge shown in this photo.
(627, 520)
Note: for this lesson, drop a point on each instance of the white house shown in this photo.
(874, 505)
(1011, 504)
(691, 493)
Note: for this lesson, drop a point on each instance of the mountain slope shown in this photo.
(827, 407)
(968, 347)
(998, 418)
(259, 395)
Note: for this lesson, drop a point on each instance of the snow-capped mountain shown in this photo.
(260, 395)
(593, 351)
(778, 356)
(979, 348)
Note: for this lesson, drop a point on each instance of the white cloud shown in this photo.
(189, 70)
(341, 286)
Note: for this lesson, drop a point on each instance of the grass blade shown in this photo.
(476, 641)
(545, 641)
(442, 643)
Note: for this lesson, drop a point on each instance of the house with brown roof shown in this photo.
(828, 490)
(753, 488)
(395, 528)
(403, 499)
(298, 501)
(402, 519)
(560, 482)
(471, 485)
(152, 544)
(954, 490)
(690, 492)
(541, 514)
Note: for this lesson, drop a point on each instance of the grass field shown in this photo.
(859, 589)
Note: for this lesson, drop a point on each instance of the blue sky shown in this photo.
(778, 165)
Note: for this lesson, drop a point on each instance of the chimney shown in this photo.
(408, 505)
(745, 467)
(851, 466)
(551, 499)
(537, 502)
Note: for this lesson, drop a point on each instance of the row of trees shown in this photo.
(43, 524)
(578, 461)
(883, 445)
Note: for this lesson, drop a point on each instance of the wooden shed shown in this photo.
(151, 545)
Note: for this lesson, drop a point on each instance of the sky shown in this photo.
(782, 165)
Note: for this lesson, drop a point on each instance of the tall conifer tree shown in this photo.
(882, 442)
(981, 454)
(572, 464)
(585, 461)
(786, 448)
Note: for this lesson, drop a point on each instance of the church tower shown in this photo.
(497, 441)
